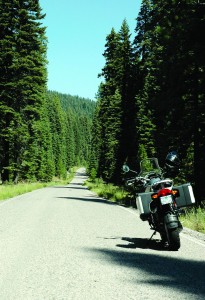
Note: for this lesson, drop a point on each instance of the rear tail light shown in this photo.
(164, 192)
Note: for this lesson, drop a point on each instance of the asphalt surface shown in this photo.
(66, 243)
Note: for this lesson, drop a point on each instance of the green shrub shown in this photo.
(93, 174)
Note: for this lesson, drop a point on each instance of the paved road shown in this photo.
(65, 243)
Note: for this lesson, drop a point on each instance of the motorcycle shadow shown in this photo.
(142, 243)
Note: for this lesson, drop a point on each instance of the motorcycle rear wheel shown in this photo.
(174, 239)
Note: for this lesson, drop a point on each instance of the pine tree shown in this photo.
(147, 84)
(126, 86)
(115, 117)
(22, 88)
(94, 158)
(70, 141)
(113, 137)
(171, 46)
(106, 93)
(58, 130)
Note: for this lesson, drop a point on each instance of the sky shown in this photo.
(76, 32)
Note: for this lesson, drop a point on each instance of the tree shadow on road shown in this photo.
(77, 187)
(187, 276)
(71, 187)
(89, 199)
(81, 175)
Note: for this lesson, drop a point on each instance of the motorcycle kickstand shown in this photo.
(151, 238)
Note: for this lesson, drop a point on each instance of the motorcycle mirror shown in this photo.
(125, 168)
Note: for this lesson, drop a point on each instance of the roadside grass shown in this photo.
(12, 190)
(194, 218)
(109, 191)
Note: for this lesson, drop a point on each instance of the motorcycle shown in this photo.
(156, 198)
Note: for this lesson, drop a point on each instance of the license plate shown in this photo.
(166, 199)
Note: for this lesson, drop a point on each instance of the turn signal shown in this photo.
(175, 193)
(154, 196)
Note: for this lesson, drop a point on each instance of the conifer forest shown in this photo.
(43, 133)
(151, 98)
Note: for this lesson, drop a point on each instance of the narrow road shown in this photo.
(66, 243)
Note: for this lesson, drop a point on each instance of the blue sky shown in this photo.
(76, 32)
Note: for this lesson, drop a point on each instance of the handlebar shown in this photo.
(138, 179)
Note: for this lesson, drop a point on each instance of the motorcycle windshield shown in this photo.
(149, 165)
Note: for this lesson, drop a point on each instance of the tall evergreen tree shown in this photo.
(70, 140)
(126, 84)
(168, 87)
(147, 79)
(173, 77)
(58, 129)
(22, 88)
(106, 93)
(116, 106)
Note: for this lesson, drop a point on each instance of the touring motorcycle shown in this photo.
(157, 200)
